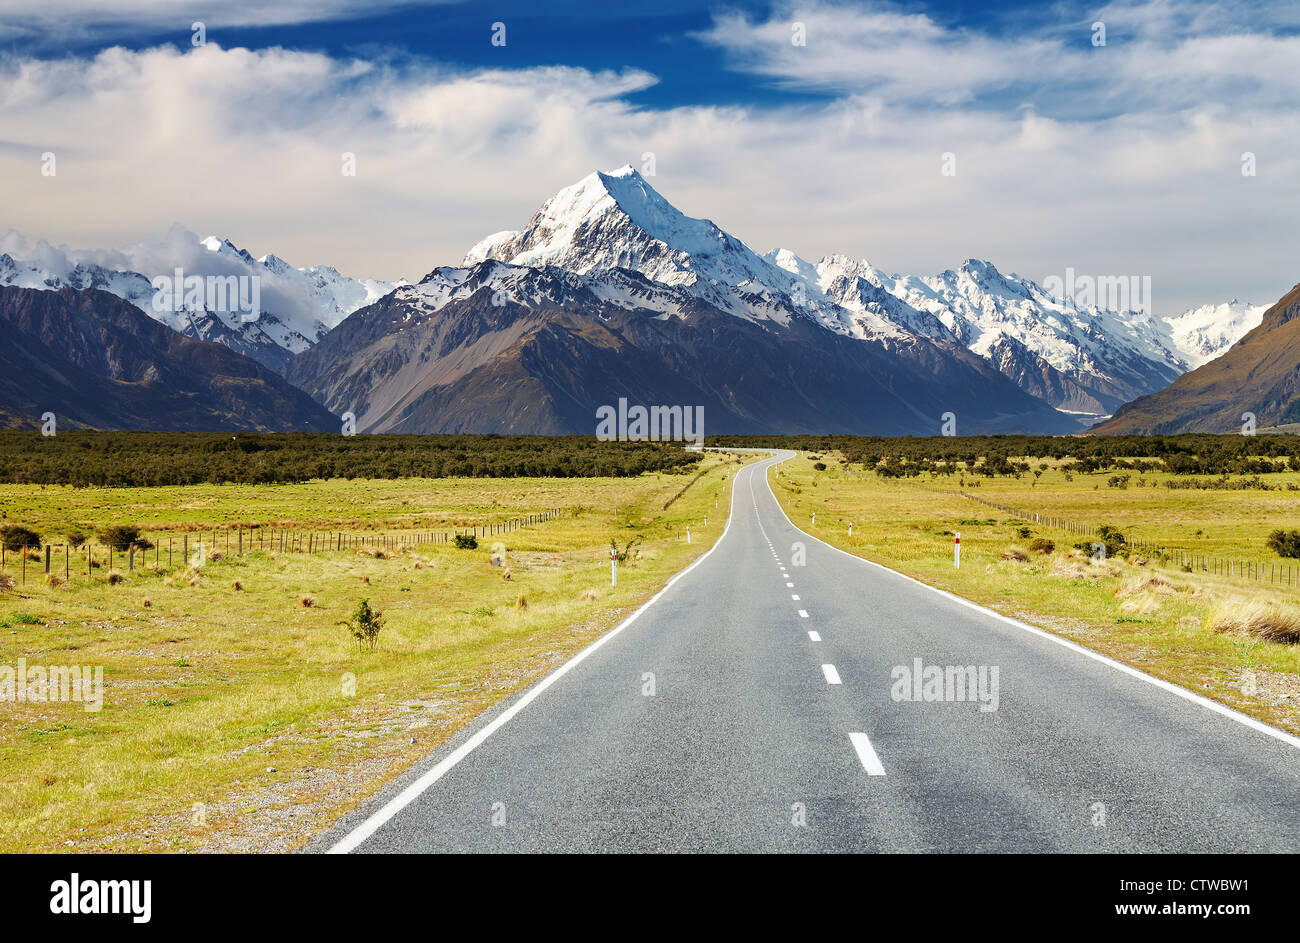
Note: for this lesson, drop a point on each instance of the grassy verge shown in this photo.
(1147, 613)
(238, 714)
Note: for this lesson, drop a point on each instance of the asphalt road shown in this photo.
(758, 705)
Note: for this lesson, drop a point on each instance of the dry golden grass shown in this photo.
(1143, 610)
(1263, 620)
(207, 690)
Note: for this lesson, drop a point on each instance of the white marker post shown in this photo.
(613, 567)
(814, 523)
(850, 528)
(956, 552)
(688, 533)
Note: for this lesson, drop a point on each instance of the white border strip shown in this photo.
(1222, 709)
(376, 820)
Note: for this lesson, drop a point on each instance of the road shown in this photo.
(757, 705)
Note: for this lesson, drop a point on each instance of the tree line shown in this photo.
(1186, 454)
(146, 459)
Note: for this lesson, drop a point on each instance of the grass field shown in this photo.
(237, 717)
(1152, 615)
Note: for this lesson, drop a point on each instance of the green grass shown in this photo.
(261, 709)
(1114, 608)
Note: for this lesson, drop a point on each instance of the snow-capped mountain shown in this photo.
(1202, 334)
(1081, 358)
(297, 305)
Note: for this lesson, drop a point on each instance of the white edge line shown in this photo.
(867, 754)
(376, 820)
(1222, 709)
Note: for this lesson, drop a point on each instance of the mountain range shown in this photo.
(1255, 384)
(94, 360)
(609, 291)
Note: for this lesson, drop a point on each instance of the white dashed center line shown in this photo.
(803, 613)
(814, 637)
(870, 762)
(794, 597)
(832, 676)
(789, 585)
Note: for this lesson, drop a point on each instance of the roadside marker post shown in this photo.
(613, 567)
(956, 552)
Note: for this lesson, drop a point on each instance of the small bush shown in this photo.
(1042, 545)
(16, 537)
(120, 536)
(53, 580)
(146, 602)
(1285, 543)
(6, 583)
(114, 578)
(521, 603)
(590, 595)
(236, 585)
(307, 601)
(466, 542)
(76, 539)
(627, 554)
(365, 626)
(819, 466)
(1016, 554)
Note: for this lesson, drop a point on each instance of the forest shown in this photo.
(908, 456)
(148, 459)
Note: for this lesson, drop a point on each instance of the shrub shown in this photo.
(236, 585)
(1042, 545)
(53, 580)
(819, 466)
(365, 625)
(1016, 554)
(466, 542)
(121, 537)
(76, 539)
(307, 601)
(114, 578)
(625, 555)
(1285, 543)
(6, 583)
(17, 537)
(1113, 540)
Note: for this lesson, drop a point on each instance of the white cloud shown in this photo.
(248, 144)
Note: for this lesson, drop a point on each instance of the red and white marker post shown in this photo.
(956, 552)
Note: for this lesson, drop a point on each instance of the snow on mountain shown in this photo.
(297, 305)
(1081, 358)
(1202, 334)
(617, 220)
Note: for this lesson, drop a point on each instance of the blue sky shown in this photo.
(1120, 158)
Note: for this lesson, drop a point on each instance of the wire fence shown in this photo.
(1275, 574)
(235, 541)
